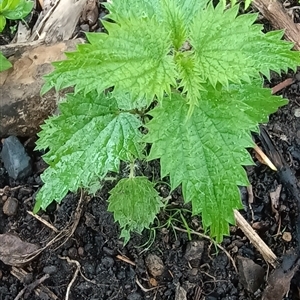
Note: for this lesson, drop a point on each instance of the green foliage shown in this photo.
(135, 203)
(202, 65)
(4, 63)
(87, 140)
(14, 10)
(207, 159)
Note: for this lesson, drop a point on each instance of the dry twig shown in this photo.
(21, 273)
(208, 238)
(255, 239)
(264, 158)
(43, 221)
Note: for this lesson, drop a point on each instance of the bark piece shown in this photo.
(280, 280)
(59, 22)
(251, 274)
(22, 108)
(13, 249)
(255, 239)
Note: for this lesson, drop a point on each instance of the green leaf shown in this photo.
(231, 49)
(87, 140)
(2, 23)
(20, 10)
(121, 10)
(135, 203)
(205, 153)
(3, 4)
(190, 78)
(4, 62)
(11, 4)
(247, 3)
(174, 18)
(132, 58)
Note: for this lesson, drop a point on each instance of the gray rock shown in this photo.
(85, 27)
(15, 159)
(10, 206)
(251, 275)
(194, 250)
(180, 293)
(154, 264)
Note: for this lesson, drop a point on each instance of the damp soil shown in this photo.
(113, 271)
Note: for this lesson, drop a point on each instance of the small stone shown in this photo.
(153, 282)
(50, 270)
(154, 264)
(287, 236)
(193, 271)
(15, 159)
(85, 27)
(10, 207)
(4, 198)
(80, 251)
(297, 112)
(194, 250)
(297, 76)
(180, 293)
(251, 274)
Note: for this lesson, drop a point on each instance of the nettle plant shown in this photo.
(195, 69)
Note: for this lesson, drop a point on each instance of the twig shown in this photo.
(282, 85)
(21, 273)
(64, 234)
(264, 158)
(255, 239)
(208, 238)
(29, 288)
(144, 289)
(43, 221)
(70, 261)
(274, 11)
(127, 260)
(7, 189)
(250, 199)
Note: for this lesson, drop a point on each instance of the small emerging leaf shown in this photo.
(4, 62)
(135, 203)
(17, 9)
(2, 23)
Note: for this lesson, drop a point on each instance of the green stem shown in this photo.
(132, 173)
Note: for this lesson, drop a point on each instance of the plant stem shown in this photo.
(132, 173)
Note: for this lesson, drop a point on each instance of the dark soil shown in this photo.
(102, 257)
